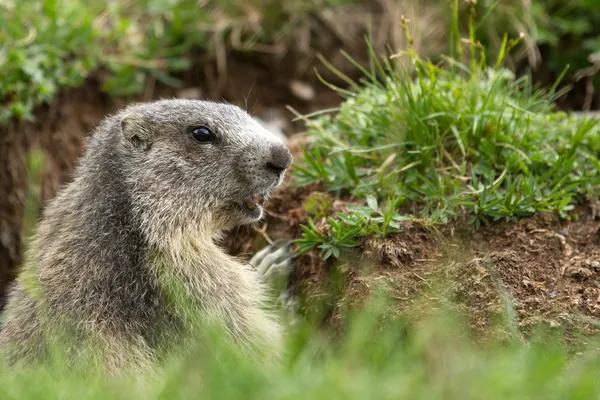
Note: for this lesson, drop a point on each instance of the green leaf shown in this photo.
(372, 202)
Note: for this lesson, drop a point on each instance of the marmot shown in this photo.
(124, 257)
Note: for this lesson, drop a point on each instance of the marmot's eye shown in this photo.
(202, 134)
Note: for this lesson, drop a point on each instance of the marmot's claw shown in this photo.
(273, 258)
(259, 257)
(283, 269)
(277, 242)
(290, 304)
(275, 264)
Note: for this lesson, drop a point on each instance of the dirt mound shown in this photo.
(543, 270)
(551, 268)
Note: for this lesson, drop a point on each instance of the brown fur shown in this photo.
(124, 257)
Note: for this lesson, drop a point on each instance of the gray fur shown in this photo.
(141, 212)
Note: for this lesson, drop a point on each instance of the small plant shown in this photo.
(346, 228)
(374, 221)
(33, 193)
(340, 236)
(317, 205)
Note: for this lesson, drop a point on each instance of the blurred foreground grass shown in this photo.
(375, 358)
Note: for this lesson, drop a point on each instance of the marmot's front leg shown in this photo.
(275, 263)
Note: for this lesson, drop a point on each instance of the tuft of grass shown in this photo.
(346, 228)
(447, 141)
(317, 205)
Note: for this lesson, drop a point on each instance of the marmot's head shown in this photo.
(199, 161)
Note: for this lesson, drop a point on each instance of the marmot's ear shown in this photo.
(136, 131)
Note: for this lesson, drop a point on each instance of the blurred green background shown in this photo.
(52, 44)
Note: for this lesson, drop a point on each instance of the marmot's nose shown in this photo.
(281, 158)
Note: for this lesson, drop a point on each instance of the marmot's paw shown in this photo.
(290, 305)
(274, 261)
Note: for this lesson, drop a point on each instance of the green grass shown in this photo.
(46, 45)
(567, 31)
(445, 141)
(375, 358)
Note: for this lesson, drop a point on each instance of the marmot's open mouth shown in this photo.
(253, 202)
(253, 206)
